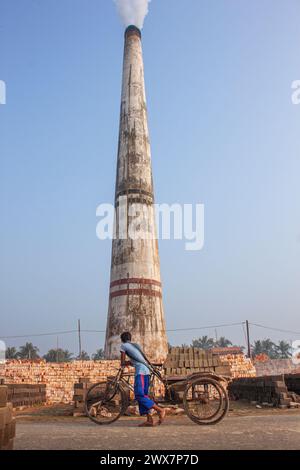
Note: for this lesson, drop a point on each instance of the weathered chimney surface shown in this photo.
(135, 302)
(132, 31)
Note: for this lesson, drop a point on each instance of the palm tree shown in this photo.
(269, 348)
(203, 343)
(11, 353)
(28, 351)
(283, 349)
(83, 356)
(223, 342)
(257, 348)
(58, 355)
(99, 355)
(266, 346)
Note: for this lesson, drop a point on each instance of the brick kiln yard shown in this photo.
(246, 427)
(58, 422)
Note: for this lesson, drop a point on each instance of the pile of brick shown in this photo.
(276, 367)
(293, 383)
(59, 378)
(230, 362)
(182, 362)
(7, 422)
(80, 390)
(271, 390)
(26, 394)
(239, 364)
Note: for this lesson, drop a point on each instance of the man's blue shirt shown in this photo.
(136, 358)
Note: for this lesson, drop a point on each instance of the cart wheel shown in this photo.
(105, 402)
(205, 401)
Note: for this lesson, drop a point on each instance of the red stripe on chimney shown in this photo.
(135, 280)
(126, 292)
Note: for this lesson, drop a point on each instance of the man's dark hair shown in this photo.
(125, 337)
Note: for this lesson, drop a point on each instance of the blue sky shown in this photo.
(224, 133)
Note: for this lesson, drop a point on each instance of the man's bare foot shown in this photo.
(148, 423)
(162, 415)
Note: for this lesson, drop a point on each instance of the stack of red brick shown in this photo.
(272, 390)
(80, 390)
(275, 367)
(26, 394)
(59, 378)
(182, 362)
(7, 422)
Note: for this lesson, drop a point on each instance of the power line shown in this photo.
(206, 327)
(58, 333)
(174, 330)
(182, 329)
(275, 329)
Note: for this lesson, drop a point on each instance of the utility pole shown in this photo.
(57, 349)
(216, 335)
(248, 339)
(79, 338)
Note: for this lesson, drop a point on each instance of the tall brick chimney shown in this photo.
(135, 301)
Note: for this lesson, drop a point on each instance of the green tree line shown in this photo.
(31, 352)
(280, 350)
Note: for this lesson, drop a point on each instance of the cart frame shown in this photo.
(204, 398)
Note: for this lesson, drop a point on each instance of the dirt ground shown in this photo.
(246, 427)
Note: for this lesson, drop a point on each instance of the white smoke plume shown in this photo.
(133, 12)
